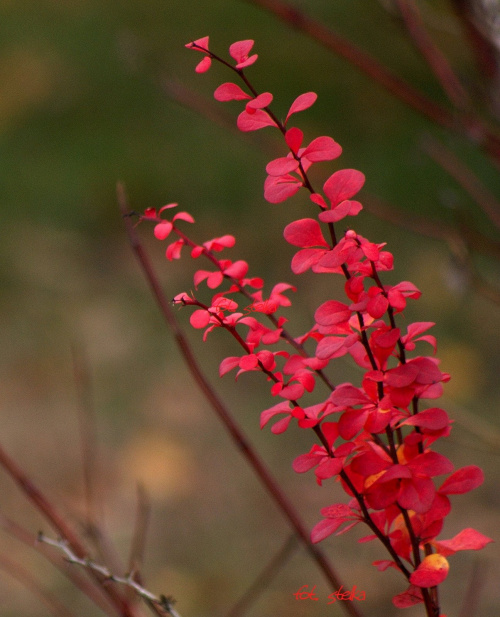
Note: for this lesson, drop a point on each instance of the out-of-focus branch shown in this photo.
(29, 582)
(264, 578)
(436, 60)
(161, 605)
(465, 177)
(224, 415)
(472, 126)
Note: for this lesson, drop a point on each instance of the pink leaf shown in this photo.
(204, 65)
(162, 230)
(228, 364)
(200, 318)
(325, 528)
(282, 166)
(230, 92)
(280, 188)
(184, 216)
(260, 101)
(345, 208)
(322, 149)
(240, 50)
(203, 43)
(253, 122)
(343, 184)
(304, 233)
(304, 101)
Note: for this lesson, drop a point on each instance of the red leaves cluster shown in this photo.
(373, 438)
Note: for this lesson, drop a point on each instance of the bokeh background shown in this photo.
(92, 93)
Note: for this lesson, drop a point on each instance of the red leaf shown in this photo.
(347, 395)
(230, 92)
(305, 259)
(322, 149)
(345, 208)
(402, 376)
(462, 481)
(293, 138)
(204, 65)
(203, 42)
(267, 414)
(332, 312)
(432, 419)
(431, 572)
(260, 101)
(304, 101)
(162, 230)
(278, 189)
(343, 184)
(200, 318)
(228, 364)
(410, 597)
(304, 233)
(467, 540)
(253, 122)
(325, 528)
(282, 166)
(240, 50)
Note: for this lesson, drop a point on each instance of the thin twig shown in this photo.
(87, 586)
(237, 435)
(264, 578)
(137, 548)
(465, 177)
(163, 605)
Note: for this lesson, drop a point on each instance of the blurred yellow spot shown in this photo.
(164, 467)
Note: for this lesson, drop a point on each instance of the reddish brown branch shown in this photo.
(29, 582)
(237, 435)
(436, 60)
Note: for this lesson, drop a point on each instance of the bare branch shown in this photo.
(163, 604)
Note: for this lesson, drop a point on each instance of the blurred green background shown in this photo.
(87, 98)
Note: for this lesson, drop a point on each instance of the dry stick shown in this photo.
(160, 605)
(27, 580)
(436, 60)
(86, 419)
(91, 472)
(264, 578)
(88, 587)
(237, 435)
(56, 520)
(137, 547)
(465, 177)
(471, 126)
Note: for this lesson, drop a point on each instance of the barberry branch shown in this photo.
(222, 412)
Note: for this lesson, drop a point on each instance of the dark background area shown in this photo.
(87, 98)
